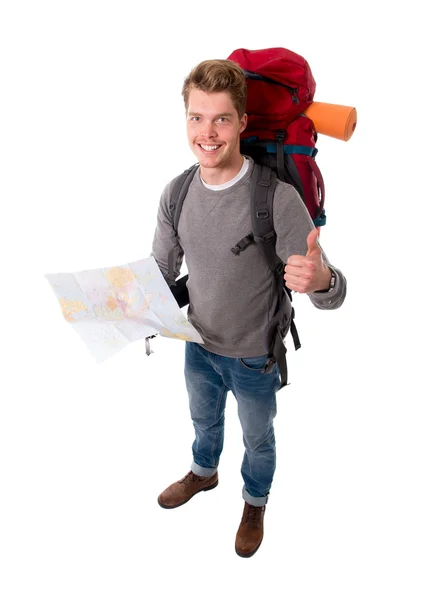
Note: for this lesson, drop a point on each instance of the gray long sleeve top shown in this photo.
(232, 298)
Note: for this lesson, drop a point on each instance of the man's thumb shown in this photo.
(312, 243)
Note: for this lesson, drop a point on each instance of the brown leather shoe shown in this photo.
(250, 532)
(181, 491)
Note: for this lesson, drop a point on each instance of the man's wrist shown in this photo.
(330, 281)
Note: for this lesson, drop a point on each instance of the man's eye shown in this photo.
(195, 119)
(222, 119)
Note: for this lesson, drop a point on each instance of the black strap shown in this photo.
(280, 138)
(295, 176)
(262, 198)
(283, 163)
(279, 353)
(180, 191)
(294, 334)
(242, 244)
(178, 196)
(180, 291)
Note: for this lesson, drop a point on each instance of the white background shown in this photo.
(92, 128)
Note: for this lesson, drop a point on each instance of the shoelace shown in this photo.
(191, 477)
(253, 514)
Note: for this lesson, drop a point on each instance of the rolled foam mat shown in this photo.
(333, 120)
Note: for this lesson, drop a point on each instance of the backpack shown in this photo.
(281, 140)
(280, 86)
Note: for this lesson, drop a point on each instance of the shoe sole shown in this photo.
(251, 553)
(206, 489)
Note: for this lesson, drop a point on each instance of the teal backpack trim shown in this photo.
(271, 148)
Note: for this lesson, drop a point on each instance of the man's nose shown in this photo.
(208, 129)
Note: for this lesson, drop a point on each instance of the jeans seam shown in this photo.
(223, 389)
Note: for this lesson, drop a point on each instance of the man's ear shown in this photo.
(244, 121)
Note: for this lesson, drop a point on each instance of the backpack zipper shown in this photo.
(294, 91)
(294, 94)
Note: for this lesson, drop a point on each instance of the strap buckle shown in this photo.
(280, 135)
(262, 214)
(269, 365)
(242, 244)
(266, 238)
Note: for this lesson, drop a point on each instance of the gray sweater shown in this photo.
(232, 298)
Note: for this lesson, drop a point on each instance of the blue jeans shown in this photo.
(209, 377)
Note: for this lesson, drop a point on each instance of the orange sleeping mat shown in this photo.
(333, 120)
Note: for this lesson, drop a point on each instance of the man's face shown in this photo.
(214, 127)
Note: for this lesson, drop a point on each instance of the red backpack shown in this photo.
(280, 86)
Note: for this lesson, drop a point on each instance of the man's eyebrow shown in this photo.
(197, 114)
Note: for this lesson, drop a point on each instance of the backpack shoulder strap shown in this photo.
(181, 186)
(183, 181)
(262, 197)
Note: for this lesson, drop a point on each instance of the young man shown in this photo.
(232, 298)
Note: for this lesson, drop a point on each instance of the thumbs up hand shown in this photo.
(313, 248)
(308, 274)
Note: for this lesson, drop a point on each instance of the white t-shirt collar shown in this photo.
(224, 186)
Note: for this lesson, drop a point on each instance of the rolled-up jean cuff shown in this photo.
(203, 471)
(260, 501)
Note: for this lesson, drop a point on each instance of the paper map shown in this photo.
(111, 307)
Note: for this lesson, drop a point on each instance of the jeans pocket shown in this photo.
(254, 363)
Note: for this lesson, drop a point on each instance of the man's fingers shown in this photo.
(300, 262)
(297, 279)
(297, 260)
(297, 286)
(301, 276)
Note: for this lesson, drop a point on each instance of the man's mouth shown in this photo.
(209, 149)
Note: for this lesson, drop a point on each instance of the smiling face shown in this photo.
(214, 128)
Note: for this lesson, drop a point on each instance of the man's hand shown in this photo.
(308, 274)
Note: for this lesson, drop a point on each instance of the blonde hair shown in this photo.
(218, 76)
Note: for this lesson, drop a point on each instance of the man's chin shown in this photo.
(208, 162)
